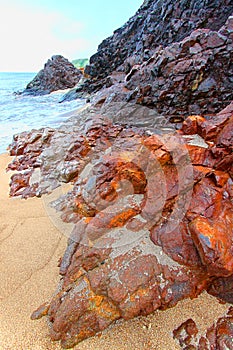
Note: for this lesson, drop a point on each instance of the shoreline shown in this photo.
(30, 247)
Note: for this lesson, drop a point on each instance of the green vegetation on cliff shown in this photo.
(80, 62)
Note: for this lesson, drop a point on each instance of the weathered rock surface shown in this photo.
(153, 216)
(193, 76)
(156, 26)
(26, 147)
(155, 23)
(151, 205)
(219, 336)
(58, 74)
(173, 57)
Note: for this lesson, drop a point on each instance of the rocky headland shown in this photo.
(58, 74)
(150, 165)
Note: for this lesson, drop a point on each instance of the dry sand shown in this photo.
(30, 246)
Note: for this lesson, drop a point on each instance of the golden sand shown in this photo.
(30, 247)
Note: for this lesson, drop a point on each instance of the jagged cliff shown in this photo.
(155, 23)
(174, 57)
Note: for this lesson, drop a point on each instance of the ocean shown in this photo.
(21, 113)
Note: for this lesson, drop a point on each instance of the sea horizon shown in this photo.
(3, 71)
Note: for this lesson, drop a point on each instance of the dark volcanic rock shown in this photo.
(174, 57)
(194, 76)
(58, 74)
(155, 23)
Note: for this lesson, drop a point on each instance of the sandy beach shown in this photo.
(30, 247)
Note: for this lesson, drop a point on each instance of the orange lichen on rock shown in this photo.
(128, 254)
(214, 243)
(120, 219)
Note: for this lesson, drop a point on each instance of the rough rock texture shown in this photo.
(190, 77)
(193, 76)
(137, 247)
(155, 23)
(26, 147)
(151, 197)
(58, 74)
(174, 57)
(218, 337)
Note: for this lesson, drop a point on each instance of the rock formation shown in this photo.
(155, 23)
(172, 57)
(218, 336)
(193, 76)
(136, 247)
(151, 197)
(58, 74)
(190, 77)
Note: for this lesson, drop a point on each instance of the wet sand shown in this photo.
(30, 247)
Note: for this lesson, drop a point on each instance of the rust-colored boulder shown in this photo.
(218, 336)
(152, 212)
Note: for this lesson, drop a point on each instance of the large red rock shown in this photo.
(151, 205)
(152, 211)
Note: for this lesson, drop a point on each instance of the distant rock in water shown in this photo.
(58, 74)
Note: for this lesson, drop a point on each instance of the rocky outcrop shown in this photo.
(218, 336)
(190, 77)
(138, 246)
(26, 147)
(151, 197)
(58, 74)
(193, 76)
(185, 71)
(155, 23)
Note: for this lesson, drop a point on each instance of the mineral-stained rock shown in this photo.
(152, 211)
(219, 336)
(27, 147)
(185, 334)
(151, 205)
(58, 74)
(222, 288)
(20, 185)
(40, 312)
(29, 144)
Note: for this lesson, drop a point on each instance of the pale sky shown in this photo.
(31, 31)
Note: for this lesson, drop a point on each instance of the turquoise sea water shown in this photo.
(20, 113)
